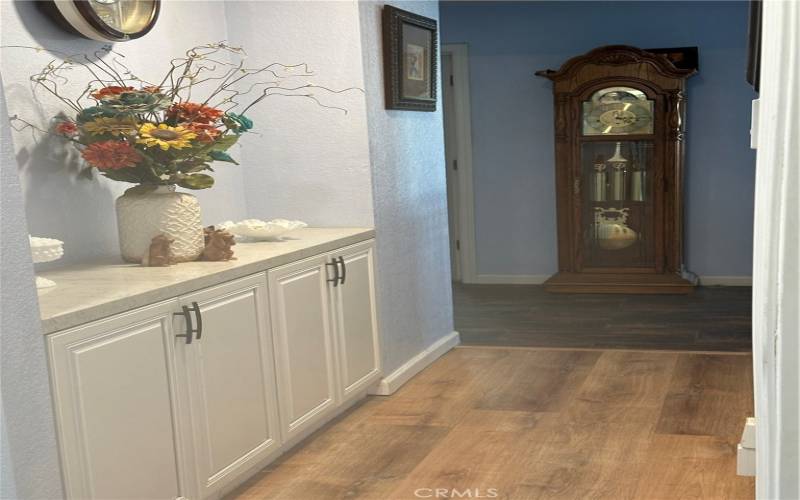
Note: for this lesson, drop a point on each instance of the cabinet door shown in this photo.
(356, 321)
(230, 380)
(299, 301)
(114, 386)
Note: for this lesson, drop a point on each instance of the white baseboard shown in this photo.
(510, 279)
(726, 280)
(390, 383)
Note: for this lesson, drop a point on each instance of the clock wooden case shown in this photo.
(619, 139)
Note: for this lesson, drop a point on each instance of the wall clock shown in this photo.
(108, 20)
(619, 138)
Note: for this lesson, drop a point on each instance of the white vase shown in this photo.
(142, 216)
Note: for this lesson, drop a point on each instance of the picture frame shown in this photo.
(410, 60)
(680, 57)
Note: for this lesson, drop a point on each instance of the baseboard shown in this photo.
(726, 281)
(510, 279)
(390, 383)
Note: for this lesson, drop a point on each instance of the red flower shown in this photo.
(111, 91)
(193, 113)
(206, 133)
(67, 128)
(111, 155)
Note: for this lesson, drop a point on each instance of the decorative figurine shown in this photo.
(218, 245)
(160, 252)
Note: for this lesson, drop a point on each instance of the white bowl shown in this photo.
(45, 250)
(261, 230)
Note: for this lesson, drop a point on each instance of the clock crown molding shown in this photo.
(617, 55)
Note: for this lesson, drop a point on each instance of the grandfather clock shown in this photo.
(619, 133)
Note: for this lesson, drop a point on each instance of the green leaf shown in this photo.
(222, 156)
(224, 142)
(141, 189)
(123, 175)
(196, 181)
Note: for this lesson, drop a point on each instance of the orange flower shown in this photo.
(153, 89)
(206, 133)
(111, 155)
(111, 91)
(67, 128)
(193, 113)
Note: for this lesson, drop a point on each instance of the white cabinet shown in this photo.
(230, 381)
(113, 386)
(356, 321)
(185, 398)
(304, 351)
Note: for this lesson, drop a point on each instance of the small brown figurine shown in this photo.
(160, 252)
(218, 245)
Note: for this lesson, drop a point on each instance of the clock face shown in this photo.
(110, 20)
(618, 111)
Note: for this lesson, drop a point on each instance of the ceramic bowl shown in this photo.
(260, 230)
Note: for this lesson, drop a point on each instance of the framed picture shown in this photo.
(681, 57)
(409, 60)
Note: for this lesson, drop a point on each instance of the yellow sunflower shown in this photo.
(164, 136)
(113, 126)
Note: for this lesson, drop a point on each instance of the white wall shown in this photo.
(776, 270)
(28, 459)
(58, 204)
(409, 189)
(308, 162)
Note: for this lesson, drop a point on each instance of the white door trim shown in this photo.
(463, 123)
(776, 253)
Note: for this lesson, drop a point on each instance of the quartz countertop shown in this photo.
(88, 292)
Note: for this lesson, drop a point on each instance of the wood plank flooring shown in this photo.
(534, 424)
(710, 319)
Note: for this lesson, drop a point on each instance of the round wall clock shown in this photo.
(110, 20)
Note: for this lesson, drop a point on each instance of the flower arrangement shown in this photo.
(152, 134)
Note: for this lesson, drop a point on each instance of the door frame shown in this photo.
(463, 125)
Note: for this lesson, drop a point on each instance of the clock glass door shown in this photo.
(617, 219)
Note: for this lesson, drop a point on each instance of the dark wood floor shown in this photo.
(710, 319)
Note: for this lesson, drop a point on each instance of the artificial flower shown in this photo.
(110, 91)
(111, 155)
(67, 128)
(164, 136)
(193, 113)
(92, 112)
(111, 125)
(238, 123)
(153, 89)
(206, 133)
(136, 101)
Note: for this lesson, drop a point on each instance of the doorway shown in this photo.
(458, 161)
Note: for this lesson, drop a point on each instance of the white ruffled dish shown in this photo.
(259, 230)
(45, 250)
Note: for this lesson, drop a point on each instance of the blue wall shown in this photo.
(512, 121)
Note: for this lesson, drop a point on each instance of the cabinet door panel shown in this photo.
(357, 330)
(114, 385)
(231, 382)
(303, 339)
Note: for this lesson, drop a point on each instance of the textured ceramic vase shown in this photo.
(141, 216)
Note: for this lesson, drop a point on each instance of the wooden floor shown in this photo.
(533, 423)
(710, 319)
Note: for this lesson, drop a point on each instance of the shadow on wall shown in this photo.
(55, 196)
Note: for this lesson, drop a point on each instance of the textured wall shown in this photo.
(512, 120)
(308, 163)
(409, 191)
(58, 204)
(28, 458)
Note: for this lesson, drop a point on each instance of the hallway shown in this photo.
(534, 423)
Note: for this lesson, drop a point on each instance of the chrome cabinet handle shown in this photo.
(344, 270)
(199, 318)
(188, 318)
(335, 279)
(190, 329)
